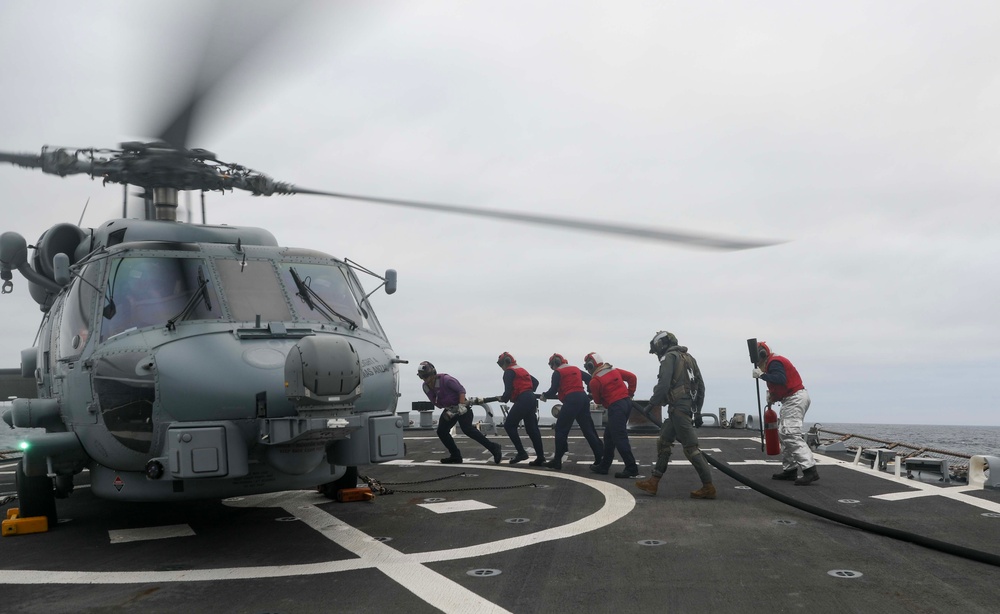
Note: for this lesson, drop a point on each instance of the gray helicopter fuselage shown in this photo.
(189, 361)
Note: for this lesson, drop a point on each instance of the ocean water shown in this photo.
(983, 440)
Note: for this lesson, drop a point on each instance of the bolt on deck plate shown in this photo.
(483, 573)
(844, 573)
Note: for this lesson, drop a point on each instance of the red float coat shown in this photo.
(612, 385)
(793, 381)
(522, 382)
(570, 381)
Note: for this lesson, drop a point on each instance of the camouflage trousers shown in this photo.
(680, 428)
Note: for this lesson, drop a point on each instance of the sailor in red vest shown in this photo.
(613, 388)
(519, 386)
(567, 385)
(679, 385)
(784, 385)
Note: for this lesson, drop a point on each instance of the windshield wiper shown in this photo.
(199, 295)
(307, 295)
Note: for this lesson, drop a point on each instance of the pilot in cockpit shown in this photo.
(146, 292)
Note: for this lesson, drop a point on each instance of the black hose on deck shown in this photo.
(906, 536)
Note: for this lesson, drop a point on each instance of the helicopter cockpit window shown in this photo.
(325, 284)
(151, 291)
(78, 312)
(252, 290)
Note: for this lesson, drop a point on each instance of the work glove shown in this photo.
(453, 411)
(698, 421)
(474, 401)
(541, 397)
(757, 372)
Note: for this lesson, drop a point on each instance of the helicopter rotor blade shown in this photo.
(25, 160)
(635, 232)
(232, 38)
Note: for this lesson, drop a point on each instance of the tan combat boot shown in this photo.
(707, 491)
(649, 485)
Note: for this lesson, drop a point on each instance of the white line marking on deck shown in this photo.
(449, 507)
(122, 536)
(407, 569)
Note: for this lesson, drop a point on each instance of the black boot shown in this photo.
(628, 472)
(787, 474)
(538, 462)
(808, 477)
(555, 463)
(520, 456)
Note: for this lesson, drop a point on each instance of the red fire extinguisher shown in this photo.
(771, 432)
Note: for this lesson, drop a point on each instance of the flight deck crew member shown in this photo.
(520, 386)
(448, 394)
(567, 385)
(784, 385)
(613, 388)
(682, 388)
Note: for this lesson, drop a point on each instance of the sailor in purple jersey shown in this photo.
(448, 394)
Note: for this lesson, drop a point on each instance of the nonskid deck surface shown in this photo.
(488, 538)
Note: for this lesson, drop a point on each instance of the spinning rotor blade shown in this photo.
(234, 35)
(25, 160)
(150, 166)
(652, 234)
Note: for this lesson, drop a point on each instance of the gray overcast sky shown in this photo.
(863, 133)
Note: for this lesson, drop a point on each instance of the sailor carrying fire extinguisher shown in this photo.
(784, 385)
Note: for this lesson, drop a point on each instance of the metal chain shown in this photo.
(379, 488)
(447, 477)
(533, 485)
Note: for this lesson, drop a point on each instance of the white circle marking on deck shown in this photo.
(407, 569)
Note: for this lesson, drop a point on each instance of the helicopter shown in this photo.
(178, 361)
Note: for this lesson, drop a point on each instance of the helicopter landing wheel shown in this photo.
(35, 495)
(348, 480)
(64, 486)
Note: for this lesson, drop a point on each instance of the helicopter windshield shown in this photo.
(252, 290)
(148, 291)
(328, 283)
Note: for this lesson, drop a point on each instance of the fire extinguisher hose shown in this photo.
(906, 536)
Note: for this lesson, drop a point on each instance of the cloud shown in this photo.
(863, 134)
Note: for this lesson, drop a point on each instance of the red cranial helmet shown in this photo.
(506, 360)
(591, 361)
(763, 351)
(557, 360)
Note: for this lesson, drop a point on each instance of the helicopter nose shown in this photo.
(323, 372)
